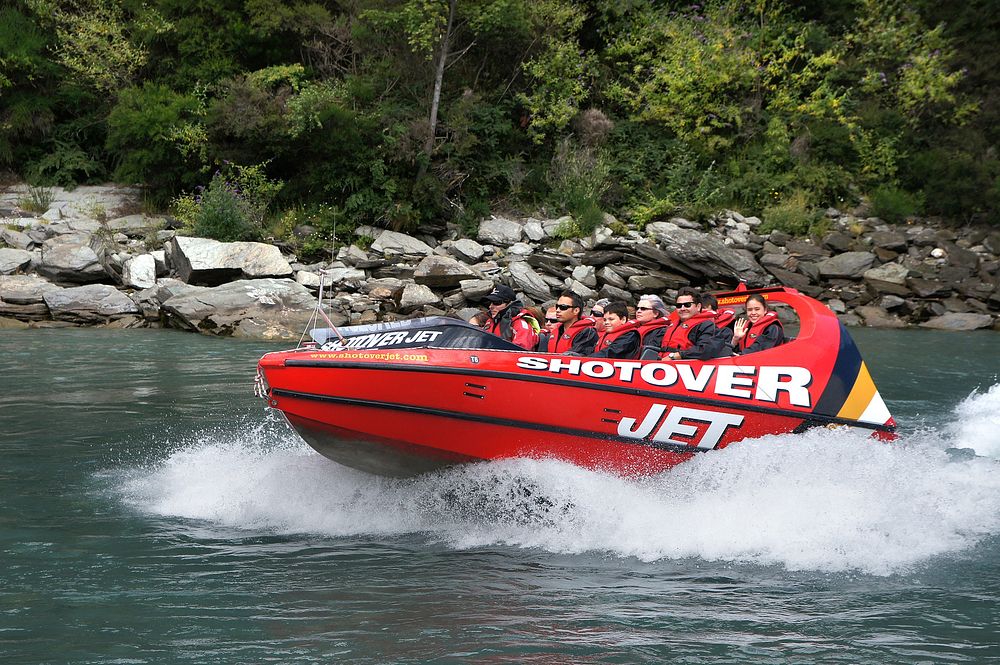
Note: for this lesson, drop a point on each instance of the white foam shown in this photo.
(977, 423)
(825, 500)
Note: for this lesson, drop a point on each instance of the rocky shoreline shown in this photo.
(77, 264)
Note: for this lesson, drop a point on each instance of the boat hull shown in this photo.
(407, 411)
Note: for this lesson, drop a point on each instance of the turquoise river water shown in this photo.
(152, 511)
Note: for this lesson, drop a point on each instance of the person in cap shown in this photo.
(509, 319)
(575, 333)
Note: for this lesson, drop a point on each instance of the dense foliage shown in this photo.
(400, 112)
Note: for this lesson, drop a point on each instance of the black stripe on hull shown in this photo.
(488, 420)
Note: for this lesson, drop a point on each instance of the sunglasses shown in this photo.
(596, 312)
(548, 320)
(563, 308)
(644, 309)
(684, 304)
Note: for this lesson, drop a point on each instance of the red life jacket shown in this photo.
(524, 335)
(677, 338)
(724, 317)
(604, 341)
(564, 341)
(646, 328)
(756, 329)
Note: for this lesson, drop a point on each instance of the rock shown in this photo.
(259, 308)
(602, 257)
(891, 240)
(788, 278)
(586, 275)
(416, 296)
(615, 294)
(71, 262)
(475, 290)
(646, 284)
(15, 239)
(959, 321)
(310, 280)
(926, 288)
(849, 265)
(876, 317)
(14, 260)
(837, 241)
(11, 324)
(534, 230)
(602, 235)
(569, 247)
(708, 256)
(139, 272)
(393, 242)
(529, 281)
(804, 249)
(467, 250)
(890, 301)
(442, 272)
(90, 304)
(352, 255)
(206, 262)
(836, 306)
(894, 273)
(582, 290)
(53, 214)
(500, 231)
(519, 250)
(136, 225)
(23, 297)
(611, 277)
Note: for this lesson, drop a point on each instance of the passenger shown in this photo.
(652, 322)
(573, 334)
(597, 314)
(723, 319)
(545, 336)
(621, 337)
(509, 320)
(479, 319)
(760, 330)
(695, 337)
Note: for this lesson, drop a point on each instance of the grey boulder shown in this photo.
(93, 303)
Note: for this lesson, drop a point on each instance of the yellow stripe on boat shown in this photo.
(861, 395)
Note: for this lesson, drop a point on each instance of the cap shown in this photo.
(501, 293)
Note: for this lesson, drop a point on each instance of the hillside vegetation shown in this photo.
(253, 117)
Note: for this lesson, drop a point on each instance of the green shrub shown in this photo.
(232, 207)
(578, 179)
(38, 199)
(894, 204)
(791, 214)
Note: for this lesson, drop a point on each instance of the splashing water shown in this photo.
(824, 500)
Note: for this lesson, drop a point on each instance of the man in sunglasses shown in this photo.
(695, 337)
(574, 333)
(545, 335)
(509, 319)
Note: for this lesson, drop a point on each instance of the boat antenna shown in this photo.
(319, 306)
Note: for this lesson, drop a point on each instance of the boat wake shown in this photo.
(826, 500)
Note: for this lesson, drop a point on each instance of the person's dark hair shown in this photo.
(619, 308)
(708, 301)
(758, 298)
(689, 291)
(577, 300)
(479, 319)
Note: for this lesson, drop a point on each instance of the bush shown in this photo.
(232, 207)
(792, 215)
(894, 204)
(578, 179)
(38, 199)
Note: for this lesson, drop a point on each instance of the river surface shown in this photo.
(152, 511)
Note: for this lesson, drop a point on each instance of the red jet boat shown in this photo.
(404, 398)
